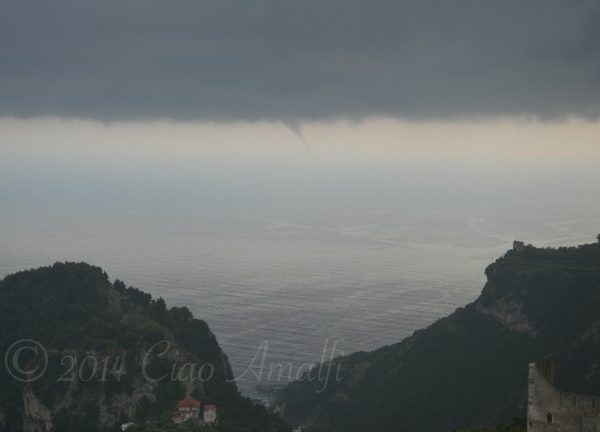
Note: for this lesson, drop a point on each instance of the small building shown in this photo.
(553, 410)
(126, 426)
(518, 246)
(210, 414)
(187, 409)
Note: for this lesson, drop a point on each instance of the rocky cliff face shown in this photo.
(38, 417)
(110, 354)
(510, 314)
(470, 368)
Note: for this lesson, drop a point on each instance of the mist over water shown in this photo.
(360, 242)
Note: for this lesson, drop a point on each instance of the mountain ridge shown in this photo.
(469, 369)
(109, 333)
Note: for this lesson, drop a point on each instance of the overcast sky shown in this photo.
(299, 60)
(150, 135)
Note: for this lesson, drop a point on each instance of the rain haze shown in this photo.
(297, 172)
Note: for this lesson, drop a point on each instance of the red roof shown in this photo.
(210, 407)
(188, 403)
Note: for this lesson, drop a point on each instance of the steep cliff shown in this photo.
(109, 354)
(470, 368)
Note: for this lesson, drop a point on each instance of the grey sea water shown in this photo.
(291, 291)
(353, 245)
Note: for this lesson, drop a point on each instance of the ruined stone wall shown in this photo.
(552, 410)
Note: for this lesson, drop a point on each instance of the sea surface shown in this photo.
(298, 290)
(295, 246)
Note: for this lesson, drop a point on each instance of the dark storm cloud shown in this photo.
(297, 60)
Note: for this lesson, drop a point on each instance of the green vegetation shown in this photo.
(467, 370)
(170, 427)
(470, 368)
(95, 333)
(515, 425)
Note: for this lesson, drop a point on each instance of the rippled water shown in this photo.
(369, 232)
(284, 289)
